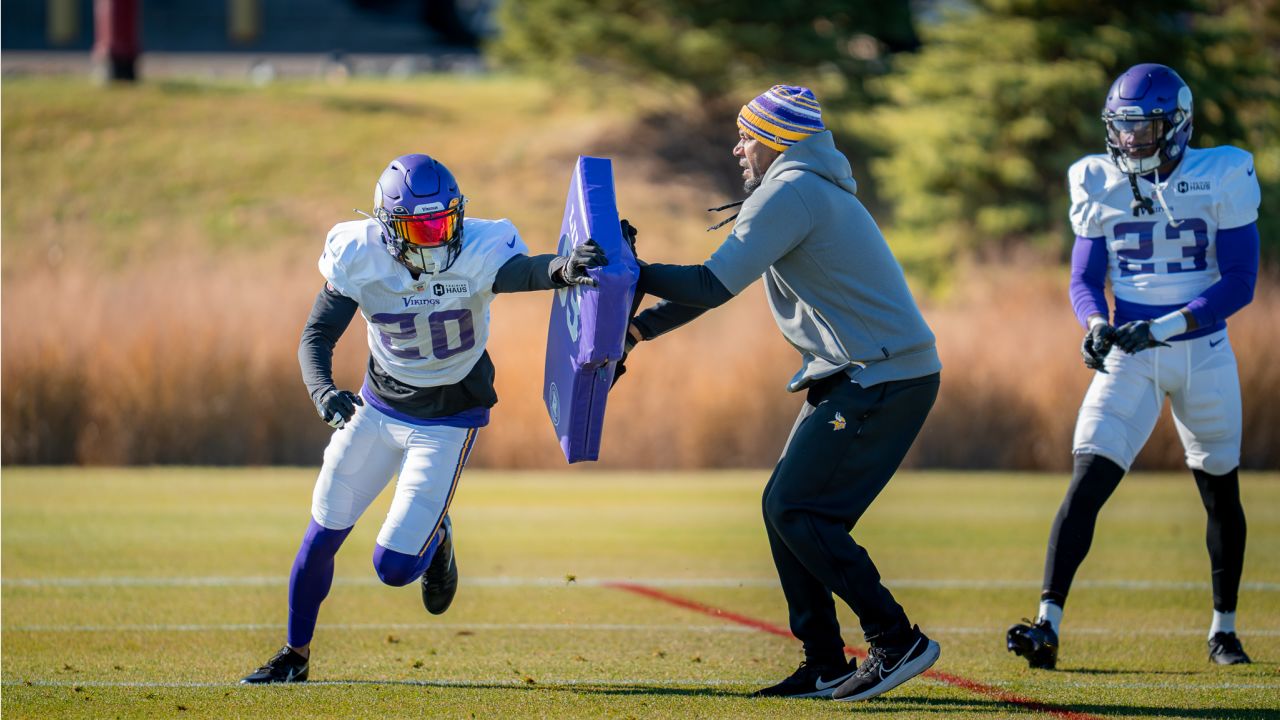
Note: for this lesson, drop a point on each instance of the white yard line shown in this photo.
(520, 582)
(583, 627)
(453, 627)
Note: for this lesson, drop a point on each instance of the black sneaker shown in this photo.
(888, 667)
(1035, 641)
(1225, 649)
(810, 681)
(285, 667)
(440, 581)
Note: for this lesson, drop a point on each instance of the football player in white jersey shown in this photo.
(422, 275)
(1175, 230)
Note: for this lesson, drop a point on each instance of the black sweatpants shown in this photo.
(846, 444)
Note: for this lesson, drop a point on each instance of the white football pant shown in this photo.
(362, 457)
(1199, 376)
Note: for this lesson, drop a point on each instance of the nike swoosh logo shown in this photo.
(511, 243)
(820, 685)
(1250, 172)
(1216, 344)
(901, 660)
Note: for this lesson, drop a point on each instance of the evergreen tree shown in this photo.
(707, 45)
(981, 125)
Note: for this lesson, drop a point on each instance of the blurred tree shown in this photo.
(980, 126)
(707, 45)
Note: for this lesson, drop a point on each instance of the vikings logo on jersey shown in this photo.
(1167, 258)
(427, 331)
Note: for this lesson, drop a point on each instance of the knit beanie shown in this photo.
(782, 117)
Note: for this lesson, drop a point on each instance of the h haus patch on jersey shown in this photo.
(1193, 186)
(449, 288)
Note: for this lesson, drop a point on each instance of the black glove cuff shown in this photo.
(556, 270)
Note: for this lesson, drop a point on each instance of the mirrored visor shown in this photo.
(1131, 135)
(426, 230)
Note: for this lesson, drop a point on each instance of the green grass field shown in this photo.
(149, 592)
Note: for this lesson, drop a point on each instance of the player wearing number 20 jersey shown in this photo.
(423, 276)
(1175, 232)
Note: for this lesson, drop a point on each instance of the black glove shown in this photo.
(337, 407)
(1097, 343)
(629, 233)
(1135, 336)
(573, 269)
(629, 344)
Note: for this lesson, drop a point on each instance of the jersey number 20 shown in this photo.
(404, 327)
(1130, 259)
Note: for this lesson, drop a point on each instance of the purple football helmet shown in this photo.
(418, 203)
(1148, 118)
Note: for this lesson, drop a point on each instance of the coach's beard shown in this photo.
(753, 182)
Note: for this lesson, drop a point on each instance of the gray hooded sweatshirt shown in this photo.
(836, 291)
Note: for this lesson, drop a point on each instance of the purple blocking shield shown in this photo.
(588, 325)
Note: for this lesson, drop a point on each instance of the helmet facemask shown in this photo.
(1139, 144)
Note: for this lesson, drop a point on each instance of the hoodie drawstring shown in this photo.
(727, 220)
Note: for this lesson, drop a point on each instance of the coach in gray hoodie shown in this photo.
(869, 366)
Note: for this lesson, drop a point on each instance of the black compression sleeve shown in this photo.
(693, 285)
(523, 273)
(665, 317)
(330, 317)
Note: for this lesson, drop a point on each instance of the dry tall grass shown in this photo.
(194, 362)
(155, 287)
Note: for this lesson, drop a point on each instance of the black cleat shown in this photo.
(285, 667)
(810, 681)
(1225, 649)
(888, 667)
(1035, 641)
(440, 581)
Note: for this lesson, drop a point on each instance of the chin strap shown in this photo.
(1144, 206)
(727, 220)
(1140, 205)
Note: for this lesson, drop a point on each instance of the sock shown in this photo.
(1052, 612)
(1224, 622)
(310, 580)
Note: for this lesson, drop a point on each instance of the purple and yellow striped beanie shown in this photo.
(782, 117)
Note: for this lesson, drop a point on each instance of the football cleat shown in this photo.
(810, 681)
(1225, 649)
(440, 581)
(888, 667)
(1035, 641)
(284, 667)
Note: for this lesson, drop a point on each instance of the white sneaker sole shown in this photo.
(901, 675)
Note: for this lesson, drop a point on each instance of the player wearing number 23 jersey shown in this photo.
(1175, 232)
(422, 275)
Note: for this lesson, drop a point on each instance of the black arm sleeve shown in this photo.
(330, 317)
(523, 273)
(692, 285)
(665, 317)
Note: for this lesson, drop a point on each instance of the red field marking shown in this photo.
(973, 686)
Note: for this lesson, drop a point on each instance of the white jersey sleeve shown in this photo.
(499, 241)
(1086, 180)
(343, 263)
(1238, 195)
